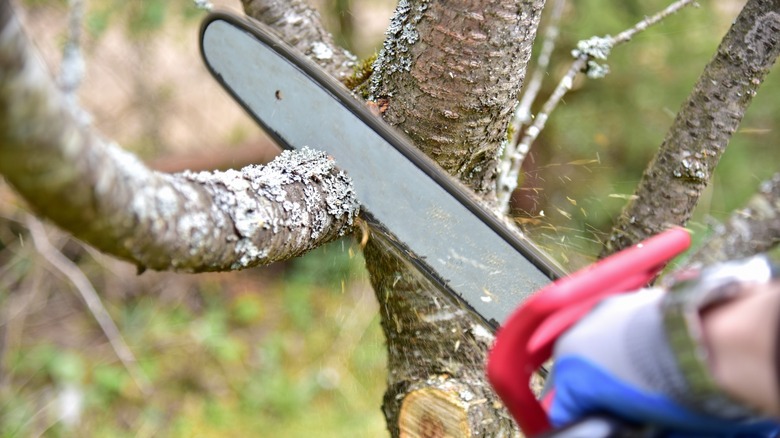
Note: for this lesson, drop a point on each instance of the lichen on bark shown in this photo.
(450, 73)
(300, 26)
(674, 180)
(448, 76)
(209, 221)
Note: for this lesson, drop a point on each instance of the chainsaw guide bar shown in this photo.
(432, 219)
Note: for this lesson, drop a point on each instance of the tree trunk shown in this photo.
(448, 76)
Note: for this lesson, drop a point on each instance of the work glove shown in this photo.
(636, 356)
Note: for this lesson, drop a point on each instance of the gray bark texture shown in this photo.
(673, 182)
(207, 221)
(448, 76)
(299, 24)
(753, 229)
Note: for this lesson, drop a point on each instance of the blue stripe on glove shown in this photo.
(582, 388)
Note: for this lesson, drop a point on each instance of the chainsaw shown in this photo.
(468, 252)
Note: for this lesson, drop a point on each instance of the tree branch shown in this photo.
(72, 67)
(703, 127)
(208, 221)
(751, 230)
(300, 26)
(586, 52)
(523, 114)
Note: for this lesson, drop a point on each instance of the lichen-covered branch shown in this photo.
(299, 24)
(673, 182)
(206, 221)
(751, 230)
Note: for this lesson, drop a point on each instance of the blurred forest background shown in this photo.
(295, 349)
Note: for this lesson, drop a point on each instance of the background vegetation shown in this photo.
(295, 349)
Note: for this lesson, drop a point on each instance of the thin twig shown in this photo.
(523, 111)
(627, 34)
(92, 300)
(522, 115)
(72, 68)
(586, 52)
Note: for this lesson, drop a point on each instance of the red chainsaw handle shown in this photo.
(526, 340)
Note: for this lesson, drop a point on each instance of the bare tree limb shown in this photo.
(299, 25)
(751, 230)
(191, 222)
(673, 182)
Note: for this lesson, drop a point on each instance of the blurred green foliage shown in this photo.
(141, 18)
(255, 356)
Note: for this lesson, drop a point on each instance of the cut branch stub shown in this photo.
(434, 343)
(434, 413)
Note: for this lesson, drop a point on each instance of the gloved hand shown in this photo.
(618, 360)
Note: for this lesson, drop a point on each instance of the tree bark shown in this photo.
(436, 381)
(673, 182)
(299, 24)
(203, 221)
(448, 76)
(751, 230)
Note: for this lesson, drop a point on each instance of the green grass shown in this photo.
(293, 353)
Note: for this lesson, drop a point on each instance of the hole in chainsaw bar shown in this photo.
(278, 94)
